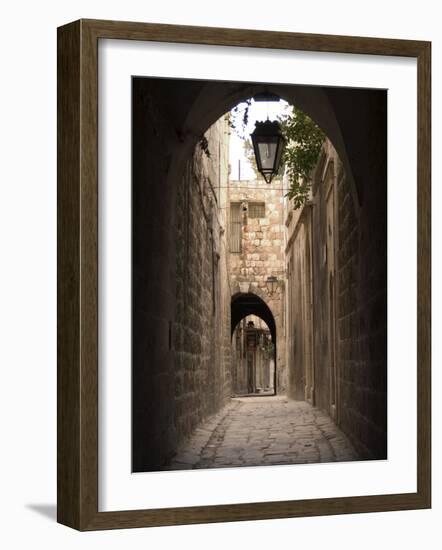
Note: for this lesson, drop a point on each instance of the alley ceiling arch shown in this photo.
(346, 115)
(214, 99)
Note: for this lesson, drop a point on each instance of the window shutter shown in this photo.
(235, 227)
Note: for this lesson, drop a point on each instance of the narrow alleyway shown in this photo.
(247, 295)
(255, 431)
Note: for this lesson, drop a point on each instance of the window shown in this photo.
(257, 210)
(235, 227)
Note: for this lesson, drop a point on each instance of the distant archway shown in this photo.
(244, 304)
(248, 303)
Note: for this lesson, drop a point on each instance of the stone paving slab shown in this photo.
(254, 431)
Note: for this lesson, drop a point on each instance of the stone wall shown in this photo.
(261, 254)
(362, 299)
(154, 435)
(299, 318)
(362, 289)
(180, 283)
(325, 269)
(336, 256)
(202, 320)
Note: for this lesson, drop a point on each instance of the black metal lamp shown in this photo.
(268, 144)
(271, 284)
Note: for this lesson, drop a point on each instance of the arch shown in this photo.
(248, 303)
(214, 99)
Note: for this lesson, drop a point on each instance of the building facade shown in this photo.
(337, 303)
(256, 243)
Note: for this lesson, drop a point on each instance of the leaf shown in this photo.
(304, 140)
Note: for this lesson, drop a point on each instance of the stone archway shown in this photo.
(244, 304)
(214, 99)
(250, 303)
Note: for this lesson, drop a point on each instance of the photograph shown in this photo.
(259, 274)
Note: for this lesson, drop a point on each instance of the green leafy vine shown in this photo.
(304, 140)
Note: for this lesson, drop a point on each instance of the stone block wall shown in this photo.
(325, 266)
(362, 284)
(362, 301)
(154, 436)
(346, 372)
(299, 317)
(202, 320)
(179, 281)
(262, 255)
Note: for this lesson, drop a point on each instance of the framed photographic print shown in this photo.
(243, 275)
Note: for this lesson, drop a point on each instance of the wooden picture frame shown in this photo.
(78, 274)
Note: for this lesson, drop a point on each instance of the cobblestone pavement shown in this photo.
(255, 431)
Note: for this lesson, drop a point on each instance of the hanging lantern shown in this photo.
(271, 284)
(268, 144)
